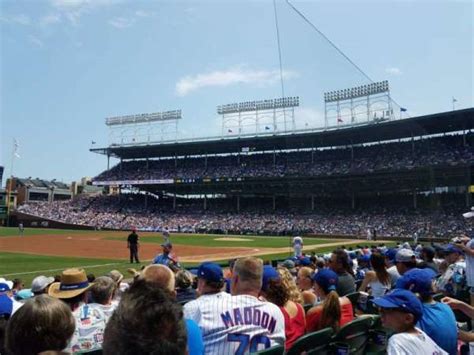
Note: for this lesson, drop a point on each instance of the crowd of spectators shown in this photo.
(418, 292)
(114, 212)
(399, 156)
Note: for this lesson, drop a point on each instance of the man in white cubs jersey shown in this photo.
(209, 286)
(240, 324)
(298, 246)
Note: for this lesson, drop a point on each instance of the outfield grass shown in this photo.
(13, 231)
(27, 267)
(210, 240)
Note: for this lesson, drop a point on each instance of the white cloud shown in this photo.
(393, 71)
(141, 13)
(74, 9)
(230, 77)
(121, 22)
(36, 41)
(50, 19)
(17, 19)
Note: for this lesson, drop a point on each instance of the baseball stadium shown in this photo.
(268, 235)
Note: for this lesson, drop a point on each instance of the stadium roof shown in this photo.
(438, 123)
(40, 183)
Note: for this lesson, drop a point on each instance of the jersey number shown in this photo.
(245, 340)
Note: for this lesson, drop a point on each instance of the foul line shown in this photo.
(61, 269)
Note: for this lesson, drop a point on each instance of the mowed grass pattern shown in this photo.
(212, 240)
(27, 267)
(13, 231)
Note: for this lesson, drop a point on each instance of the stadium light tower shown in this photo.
(369, 96)
(143, 128)
(256, 111)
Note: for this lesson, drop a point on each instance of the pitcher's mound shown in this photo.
(225, 239)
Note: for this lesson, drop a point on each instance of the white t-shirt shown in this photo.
(409, 344)
(236, 324)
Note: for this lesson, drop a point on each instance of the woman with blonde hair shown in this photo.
(276, 292)
(334, 311)
(305, 284)
(289, 282)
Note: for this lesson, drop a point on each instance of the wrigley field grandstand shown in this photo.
(394, 178)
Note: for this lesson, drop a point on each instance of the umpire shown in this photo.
(132, 244)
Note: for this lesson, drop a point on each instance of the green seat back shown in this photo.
(355, 334)
(274, 350)
(312, 343)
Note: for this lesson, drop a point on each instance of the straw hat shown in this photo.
(73, 283)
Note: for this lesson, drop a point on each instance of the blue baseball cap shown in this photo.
(305, 261)
(365, 257)
(326, 279)
(269, 273)
(4, 287)
(417, 280)
(6, 305)
(210, 271)
(391, 253)
(450, 248)
(403, 300)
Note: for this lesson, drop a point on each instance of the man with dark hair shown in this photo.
(209, 286)
(166, 258)
(427, 255)
(147, 321)
(339, 263)
(133, 244)
(453, 280)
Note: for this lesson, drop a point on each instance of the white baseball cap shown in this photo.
(469, 214)
(39, 283)
(404, 255)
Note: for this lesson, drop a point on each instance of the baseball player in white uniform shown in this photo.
(240, 323)
(298, 246)
(166, 235)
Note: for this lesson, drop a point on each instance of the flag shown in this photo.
(454, 100)
(267, 128)
(229, 131)
(339, 120)
(92, 142)
(15, 148)
(403, 109)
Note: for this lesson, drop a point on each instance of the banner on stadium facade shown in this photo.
(133, 182)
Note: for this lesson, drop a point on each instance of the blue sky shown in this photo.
(68, 64)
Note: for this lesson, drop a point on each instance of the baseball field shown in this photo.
(48, 251)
